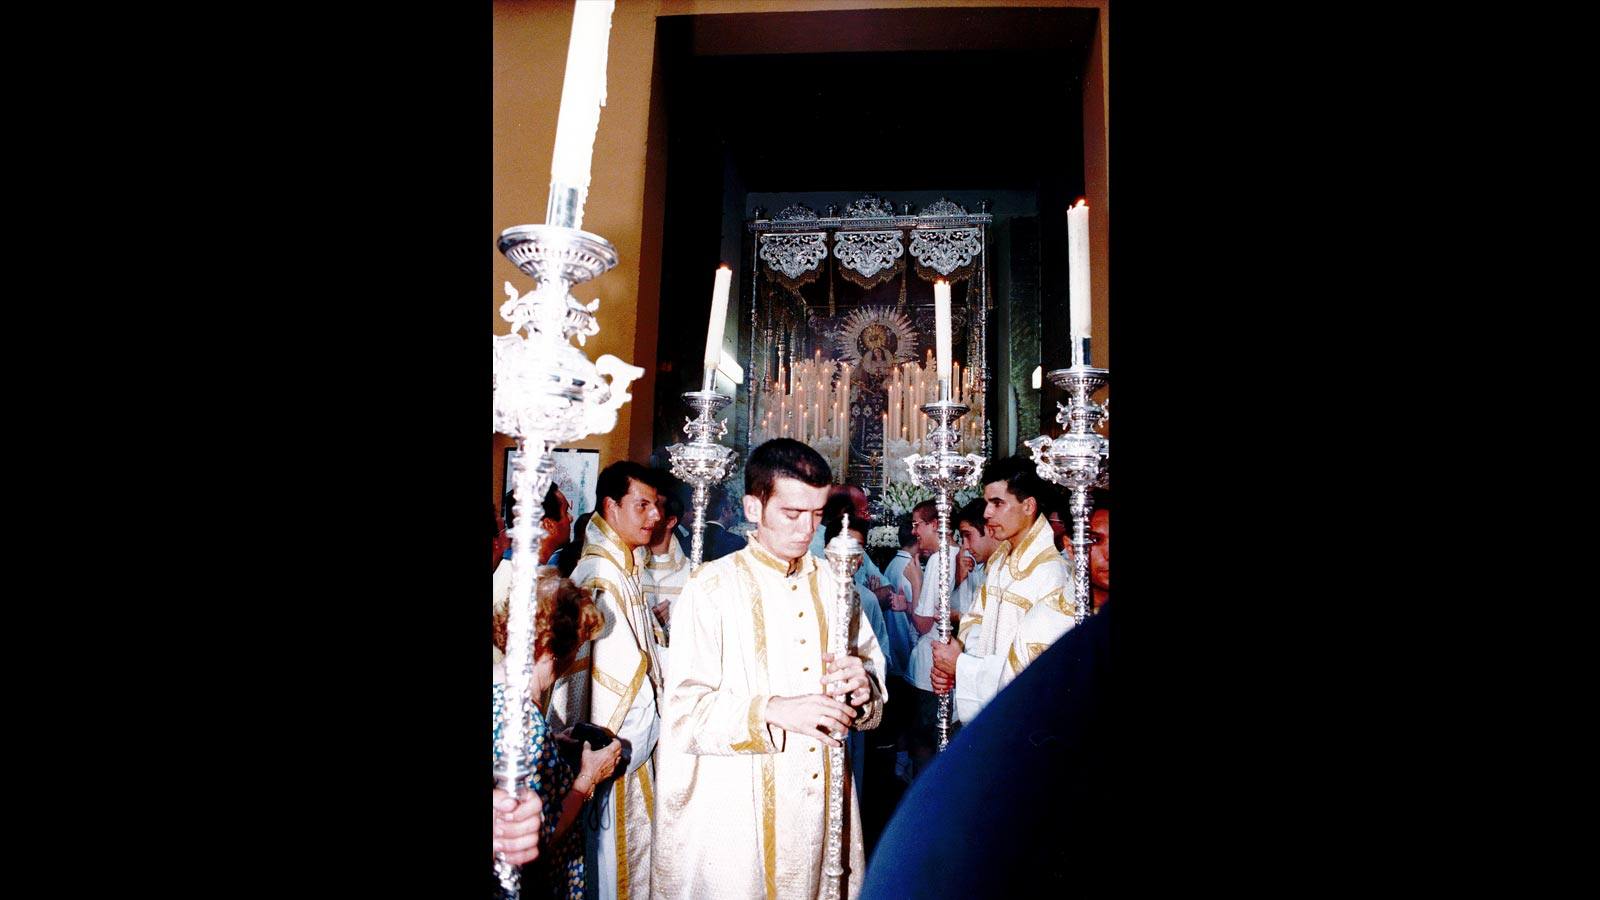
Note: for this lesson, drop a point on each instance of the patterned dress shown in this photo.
(560, 869)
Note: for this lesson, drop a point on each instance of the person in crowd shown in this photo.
(717, 540)
(1025, 569)
(616, 684)
(502, 539)
(566, 559)
(977, 545)
(743, 764)
(1044, 623)
(667, 568)
(538, 823)
(925, 525)
(556, 522)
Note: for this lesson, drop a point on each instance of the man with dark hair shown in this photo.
(717, 540)
(557, 522)
(667, 569)
(925, 526)
(745, 716)
(895, 638)
(976, 546)
(1045, 623)
(1024, 571)
(616, 682)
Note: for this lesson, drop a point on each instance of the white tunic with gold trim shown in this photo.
(615, 684)
(1042, 625)
(663, 579)
(1015, 580)
(742, 811)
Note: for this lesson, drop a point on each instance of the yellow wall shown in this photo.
(625, 198)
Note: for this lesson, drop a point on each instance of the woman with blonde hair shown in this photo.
(565, 618)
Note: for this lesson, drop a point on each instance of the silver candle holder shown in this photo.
(1076, 461)
(844, 554)
(702, 461)
(944, 472)
(546, 393)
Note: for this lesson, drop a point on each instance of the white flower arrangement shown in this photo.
(884, 536)
(900, 497)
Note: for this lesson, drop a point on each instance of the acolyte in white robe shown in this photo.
(1015, 579)
(662, 579)
(961, 599)
(615, 683)
(742, 806)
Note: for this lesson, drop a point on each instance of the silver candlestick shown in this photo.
(702, 461)
(546, 393)
(844, 554)
(1076, 461)
(944, 471)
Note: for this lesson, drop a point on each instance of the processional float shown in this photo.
(547, 392)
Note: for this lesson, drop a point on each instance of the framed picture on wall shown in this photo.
(576, 472)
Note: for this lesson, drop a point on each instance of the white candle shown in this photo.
(1078, 271)
(941, 325)
(885, 450)
(719, 318)
(583, 93)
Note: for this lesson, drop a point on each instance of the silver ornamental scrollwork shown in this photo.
(702, 462)
(869, 207)
(546, 393)
(943, 207)
(868, 252)
(794, 254)
(944, 472)
(1076, 460)
(945, 249)
(797, 212)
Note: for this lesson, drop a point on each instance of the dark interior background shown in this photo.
(965, 104)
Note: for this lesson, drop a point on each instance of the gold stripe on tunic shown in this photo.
(769, 816)
(626, 702)
(619, 792)
(757, 740)
(649, 793)
(609, 683)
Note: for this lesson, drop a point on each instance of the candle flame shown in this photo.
(1079, 203)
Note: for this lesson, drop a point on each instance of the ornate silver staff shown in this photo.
(944, 471)
(702, 462)
(1076, 461)
(844, 555)
(546, 393)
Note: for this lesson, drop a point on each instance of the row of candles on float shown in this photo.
(914, 384)
(810, 405)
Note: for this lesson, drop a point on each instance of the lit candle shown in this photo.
(719, 318)
(1078, 277)
(583, 93)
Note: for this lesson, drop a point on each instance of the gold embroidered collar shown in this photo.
(766, 557)
(1029, 546)
(605, 540)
